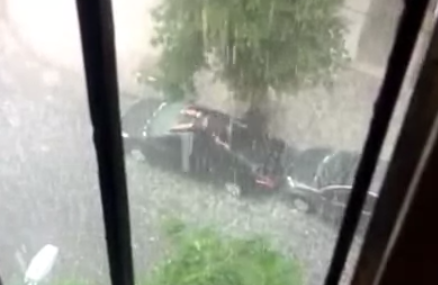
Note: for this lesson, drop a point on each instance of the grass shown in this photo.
(202, 256)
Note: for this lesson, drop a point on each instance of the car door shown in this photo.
(165, 151)
(222, 161)
(335, 199)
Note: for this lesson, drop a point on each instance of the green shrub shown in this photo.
(205, 257)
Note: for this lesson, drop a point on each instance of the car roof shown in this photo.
(326, 167)
(247, 143)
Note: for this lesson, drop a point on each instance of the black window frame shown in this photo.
(97, 36)
(402, 182)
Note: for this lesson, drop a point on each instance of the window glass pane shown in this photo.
(266, 108)
(48, 184)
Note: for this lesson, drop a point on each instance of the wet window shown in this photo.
(50, 210)
(243, 124)
(286, 92)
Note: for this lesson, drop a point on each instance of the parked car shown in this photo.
(210, 145)
(319, 180)
(205, 144)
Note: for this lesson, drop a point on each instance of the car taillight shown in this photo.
(191, 111)
(265, 181)
(182, 127)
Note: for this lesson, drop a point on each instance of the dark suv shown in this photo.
(204, 143)
(319, 180)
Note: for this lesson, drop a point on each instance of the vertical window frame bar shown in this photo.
(406, 36)
(98, 47)
(412, 251)
(413, 139)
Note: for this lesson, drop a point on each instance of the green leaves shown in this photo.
(204, 257)
(255, 44)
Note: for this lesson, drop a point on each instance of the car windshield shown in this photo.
(167, 118)
(339, 168)
(305, 166)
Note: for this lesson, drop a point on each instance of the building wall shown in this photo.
(49, 29)
(355, 13)
(378, 32)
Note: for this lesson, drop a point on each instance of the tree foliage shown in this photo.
(252, 45)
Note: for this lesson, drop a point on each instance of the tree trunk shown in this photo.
(257, 116)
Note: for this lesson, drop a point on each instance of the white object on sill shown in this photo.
(41, 264)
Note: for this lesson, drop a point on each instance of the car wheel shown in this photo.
(138, 155)
(233, 189)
